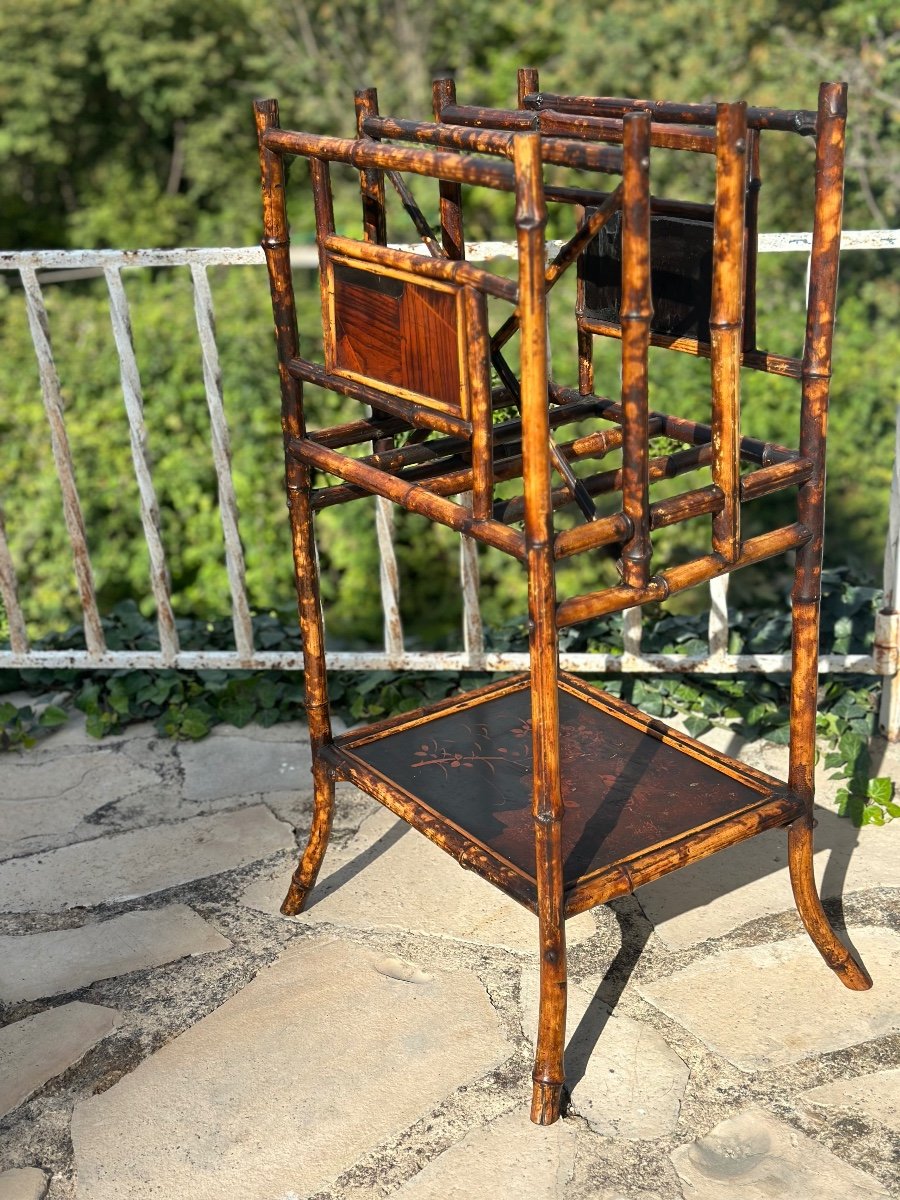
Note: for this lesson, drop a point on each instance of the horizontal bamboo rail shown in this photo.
(802, 121)
(555, 151)
(677, 579)
(434, 164)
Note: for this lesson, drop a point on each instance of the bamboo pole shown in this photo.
(806, 597)
(725, 322)
(276, 243)
(435, 164)
(677, 579)
(547, 807)
(801, 121)
(634, 318)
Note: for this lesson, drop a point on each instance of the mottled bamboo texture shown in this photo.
(298, 483)
(806, 598)
(547, 806)
(454, 448)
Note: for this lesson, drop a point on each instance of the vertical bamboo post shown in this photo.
(374, 213)
(528, 83)
(754, 185)
(443, 93)
(547, 809)
(371, 180)
(481, 415)
(806, 596)
(636, 311)
(725, 323)
(276, 244)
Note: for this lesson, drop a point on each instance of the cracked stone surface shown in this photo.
(506, 1160)
(23, 1183)
(875, 1096)
(391, 876)
(791, 1004)
(47, 964)
(337, 1055)
(41, 1047)
(712, 897)
(754, 1156)
(43, 802)
(402, 1049)
(622, 1076)
(127, 865)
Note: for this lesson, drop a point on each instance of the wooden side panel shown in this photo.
(397, 332)
(681, 275)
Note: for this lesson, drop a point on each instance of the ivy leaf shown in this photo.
(53, 716)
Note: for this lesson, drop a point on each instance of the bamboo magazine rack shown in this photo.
(562, 796)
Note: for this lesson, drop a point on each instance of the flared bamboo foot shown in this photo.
(839, 957)
(295, 900)
(546, 1103)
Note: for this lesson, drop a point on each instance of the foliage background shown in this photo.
(130, 125)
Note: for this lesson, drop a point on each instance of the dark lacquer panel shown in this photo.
(681, 257)
(624, 790)
(397, 332)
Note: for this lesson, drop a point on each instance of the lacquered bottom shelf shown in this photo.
(639, 798)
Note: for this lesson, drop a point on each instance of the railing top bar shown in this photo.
(235, 256)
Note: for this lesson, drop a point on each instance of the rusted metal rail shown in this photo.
(38, 268)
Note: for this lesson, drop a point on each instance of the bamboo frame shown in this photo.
(474, 455)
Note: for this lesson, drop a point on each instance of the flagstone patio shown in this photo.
(167, 1034)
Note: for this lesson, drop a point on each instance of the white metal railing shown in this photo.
(63, 264)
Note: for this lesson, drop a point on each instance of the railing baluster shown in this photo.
(632, 632)
(221, 448)
(134, 407)
(62, 457)
(390, 580)
(470, 577)
(76, 264)
(718, 616)
(9, 594)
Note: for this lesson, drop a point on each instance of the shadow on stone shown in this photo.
(350, 870)
(635, 931)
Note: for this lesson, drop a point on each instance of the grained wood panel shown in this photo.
(398, 332)
(429, 342)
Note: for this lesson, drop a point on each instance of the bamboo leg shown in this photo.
(810, 511)
(312, 628)
(547, 807)
(298, 483)
(308, 868)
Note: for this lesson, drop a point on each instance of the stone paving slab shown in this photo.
(41, 1047)
(128, 865)
(876, 1096)
(23, 1183)
(754, 1156)
(42, 802)
(390, 876)
(790, 1004)
(242, 763)
(719, 894)
(508, 1159)
(284, 1086)
(622, 1076)
(47, 964)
